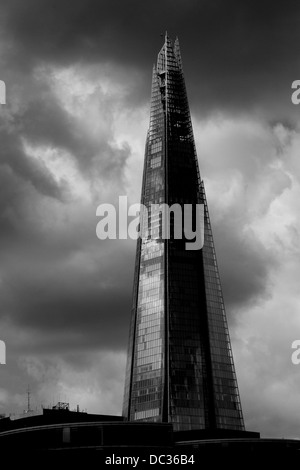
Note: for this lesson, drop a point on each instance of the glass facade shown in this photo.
(180, 367)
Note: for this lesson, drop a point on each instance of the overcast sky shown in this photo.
(72, 133)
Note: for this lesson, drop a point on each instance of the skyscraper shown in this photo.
(180, 367)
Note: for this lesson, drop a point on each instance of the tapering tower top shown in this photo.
(169, 54)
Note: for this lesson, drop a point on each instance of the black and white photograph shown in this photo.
(150, 229)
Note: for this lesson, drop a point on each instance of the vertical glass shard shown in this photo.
(180, 367)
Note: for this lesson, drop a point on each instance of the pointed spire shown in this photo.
(176, 47)
(168, 41)
(177, 52)
(169, 53)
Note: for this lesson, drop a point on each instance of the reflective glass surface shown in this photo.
(180, 367)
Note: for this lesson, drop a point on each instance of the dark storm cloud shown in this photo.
(45, 123)
(245, 266)
(236, 54)
(16, 165)
(39, 292)
(68, 306)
